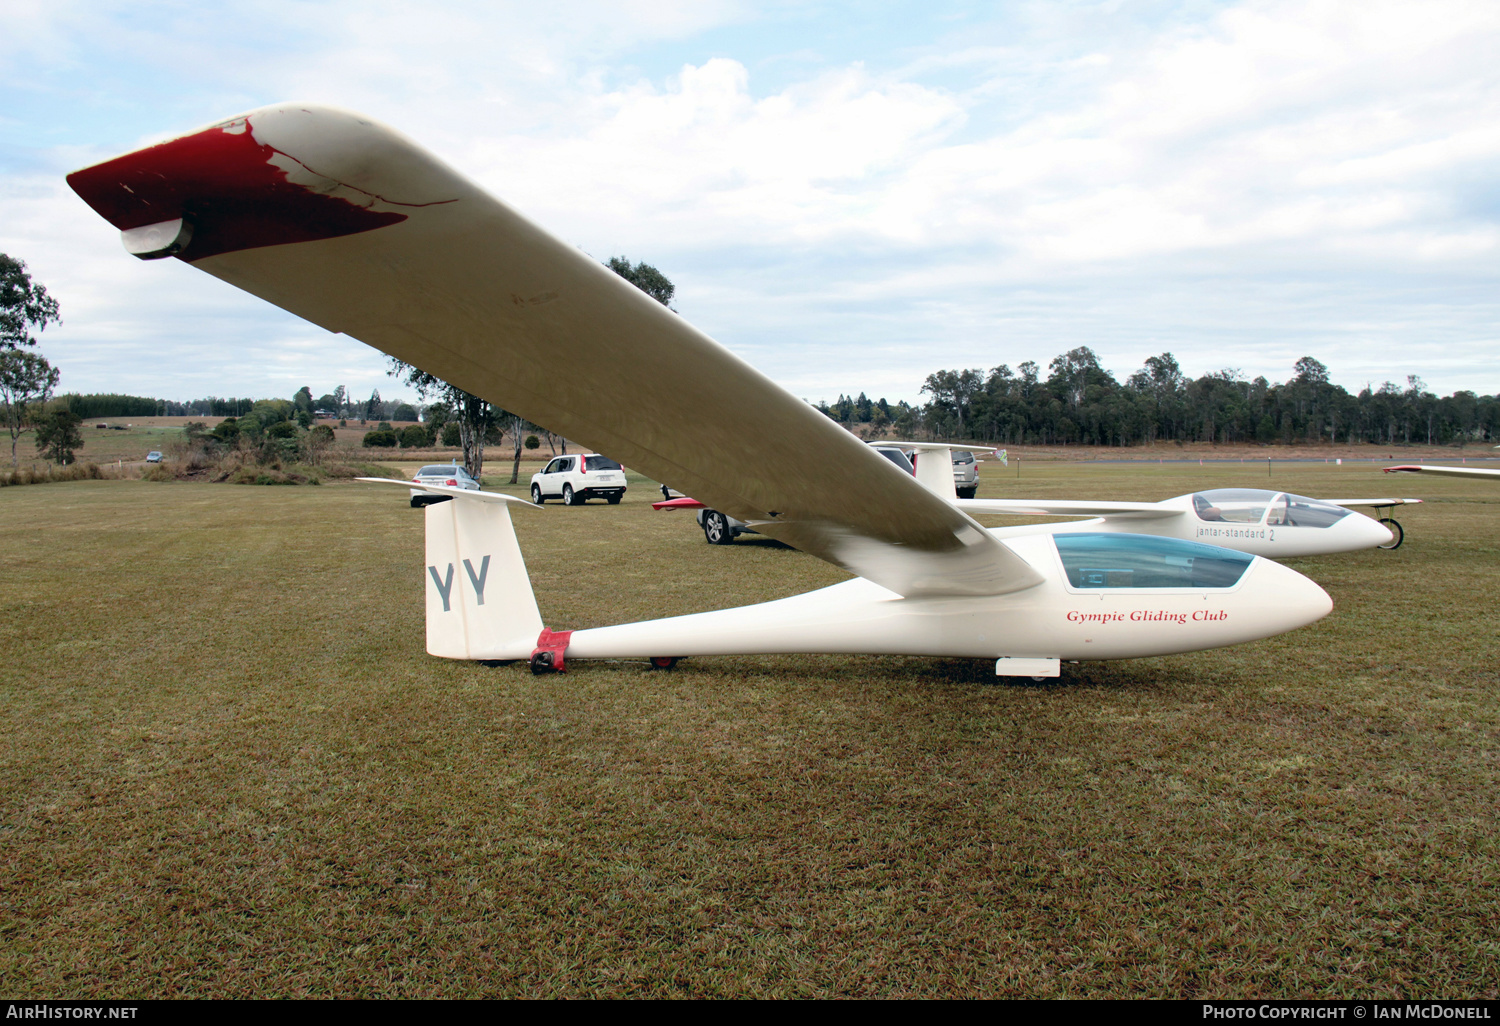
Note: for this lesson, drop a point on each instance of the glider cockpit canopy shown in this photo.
(1259, 505)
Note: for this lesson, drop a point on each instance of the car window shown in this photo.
(898, 457)
(553, 467)
(599, 463)
(438, 471)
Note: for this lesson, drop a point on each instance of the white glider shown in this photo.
(1279, 525)
(352, 226)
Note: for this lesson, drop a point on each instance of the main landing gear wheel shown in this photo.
(569, 499)
(663, 662)
(536, 495)
(716, 528)
(1395, 529)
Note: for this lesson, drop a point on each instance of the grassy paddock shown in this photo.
(230, 770)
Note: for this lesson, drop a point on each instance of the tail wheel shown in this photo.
(716, 528)
(1395, 528)
(541, 663)
(663, 662)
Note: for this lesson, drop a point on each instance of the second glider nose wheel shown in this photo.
(1395, 529)
(663, 662)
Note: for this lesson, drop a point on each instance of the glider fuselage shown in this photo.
(1053, 619)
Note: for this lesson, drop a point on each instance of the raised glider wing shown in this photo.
(354, 227)
(1451, 471)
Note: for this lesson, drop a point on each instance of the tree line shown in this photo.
(1080, 402)
(1077, 402)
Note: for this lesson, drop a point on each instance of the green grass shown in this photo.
(230, 770)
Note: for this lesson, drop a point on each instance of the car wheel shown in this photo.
(614, 500)
(569, 499)
(716, 528)
(967, 493)
(536, 494)
(417, 503)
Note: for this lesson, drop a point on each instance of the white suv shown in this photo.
(576, 479)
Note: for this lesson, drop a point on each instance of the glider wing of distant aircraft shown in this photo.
(354, 227)
(1427, 468)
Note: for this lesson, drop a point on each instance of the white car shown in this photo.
(577, 478)
(453, 476)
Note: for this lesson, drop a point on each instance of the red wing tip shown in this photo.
(231, 188)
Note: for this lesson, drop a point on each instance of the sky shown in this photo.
(850, 196)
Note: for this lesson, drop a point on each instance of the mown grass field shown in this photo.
(229, 769)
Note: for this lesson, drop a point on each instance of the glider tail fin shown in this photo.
(479, 599)
(935, 473)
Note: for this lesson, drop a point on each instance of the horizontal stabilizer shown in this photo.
(936, 446)
(682, 502)
(457, 493)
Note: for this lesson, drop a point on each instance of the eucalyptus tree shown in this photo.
(472, 414)
(24, 305)
(26, 380)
